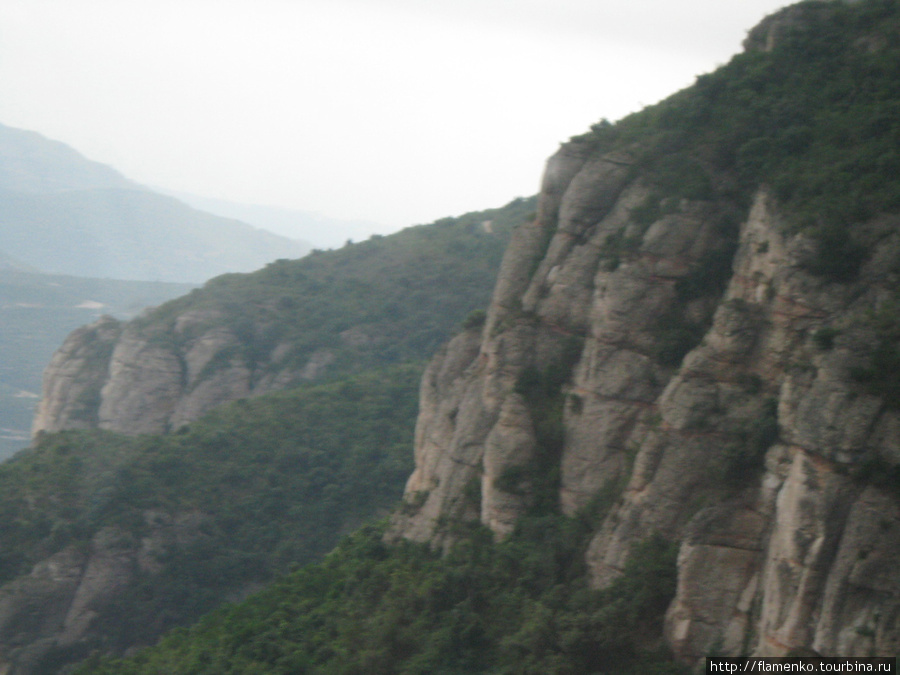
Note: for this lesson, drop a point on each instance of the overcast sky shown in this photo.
(397, 111)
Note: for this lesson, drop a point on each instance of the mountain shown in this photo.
(385, 300)
(34, 164)
(313, 229)
(673, 433)
(696, 339)
(676, 433)
(61, 213)
(108, 538)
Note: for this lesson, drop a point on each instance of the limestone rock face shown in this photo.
(582, 287)
(136, 378)
(143, 386)
(75, 376)
(719, 410)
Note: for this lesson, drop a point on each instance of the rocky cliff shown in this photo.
(695, 364)
(385, 300)
(127, 378)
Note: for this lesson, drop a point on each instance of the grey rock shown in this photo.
(790, 553)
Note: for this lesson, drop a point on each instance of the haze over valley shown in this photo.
(79, 240)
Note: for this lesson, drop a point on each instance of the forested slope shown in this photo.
(108, 539)
(333, 313)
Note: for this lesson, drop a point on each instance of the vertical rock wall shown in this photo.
(725, 416)
(138, 379)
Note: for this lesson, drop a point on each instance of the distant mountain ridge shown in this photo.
(29, 162)
(62, 213)
(317, 230)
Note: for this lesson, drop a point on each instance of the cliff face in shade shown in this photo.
(690, 373)
(57, 605)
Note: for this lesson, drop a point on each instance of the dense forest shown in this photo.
(815, 120)
(253, 489)
(518, 607)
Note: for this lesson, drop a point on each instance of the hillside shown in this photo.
(31, 163)
(109, 539)
(676, 433)
(701, 323)
(382, 301)
(61, 213)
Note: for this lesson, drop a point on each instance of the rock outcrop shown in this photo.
(684, 375)
(139, 378)
(571, 296)
(669, 361)
(329, 315)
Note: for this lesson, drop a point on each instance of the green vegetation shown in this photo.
(519, 607)
(274, 482)
(386, 300)
(475, 319)
(880, 472)
(678, 330)
(744, 459)
(542, 390)
(816, 119)
(882, 375)
(824, 337)
(261, 485)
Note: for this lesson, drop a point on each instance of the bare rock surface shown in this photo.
(743, 445)
(135, 379)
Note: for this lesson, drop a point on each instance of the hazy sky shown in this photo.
(398, 111)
